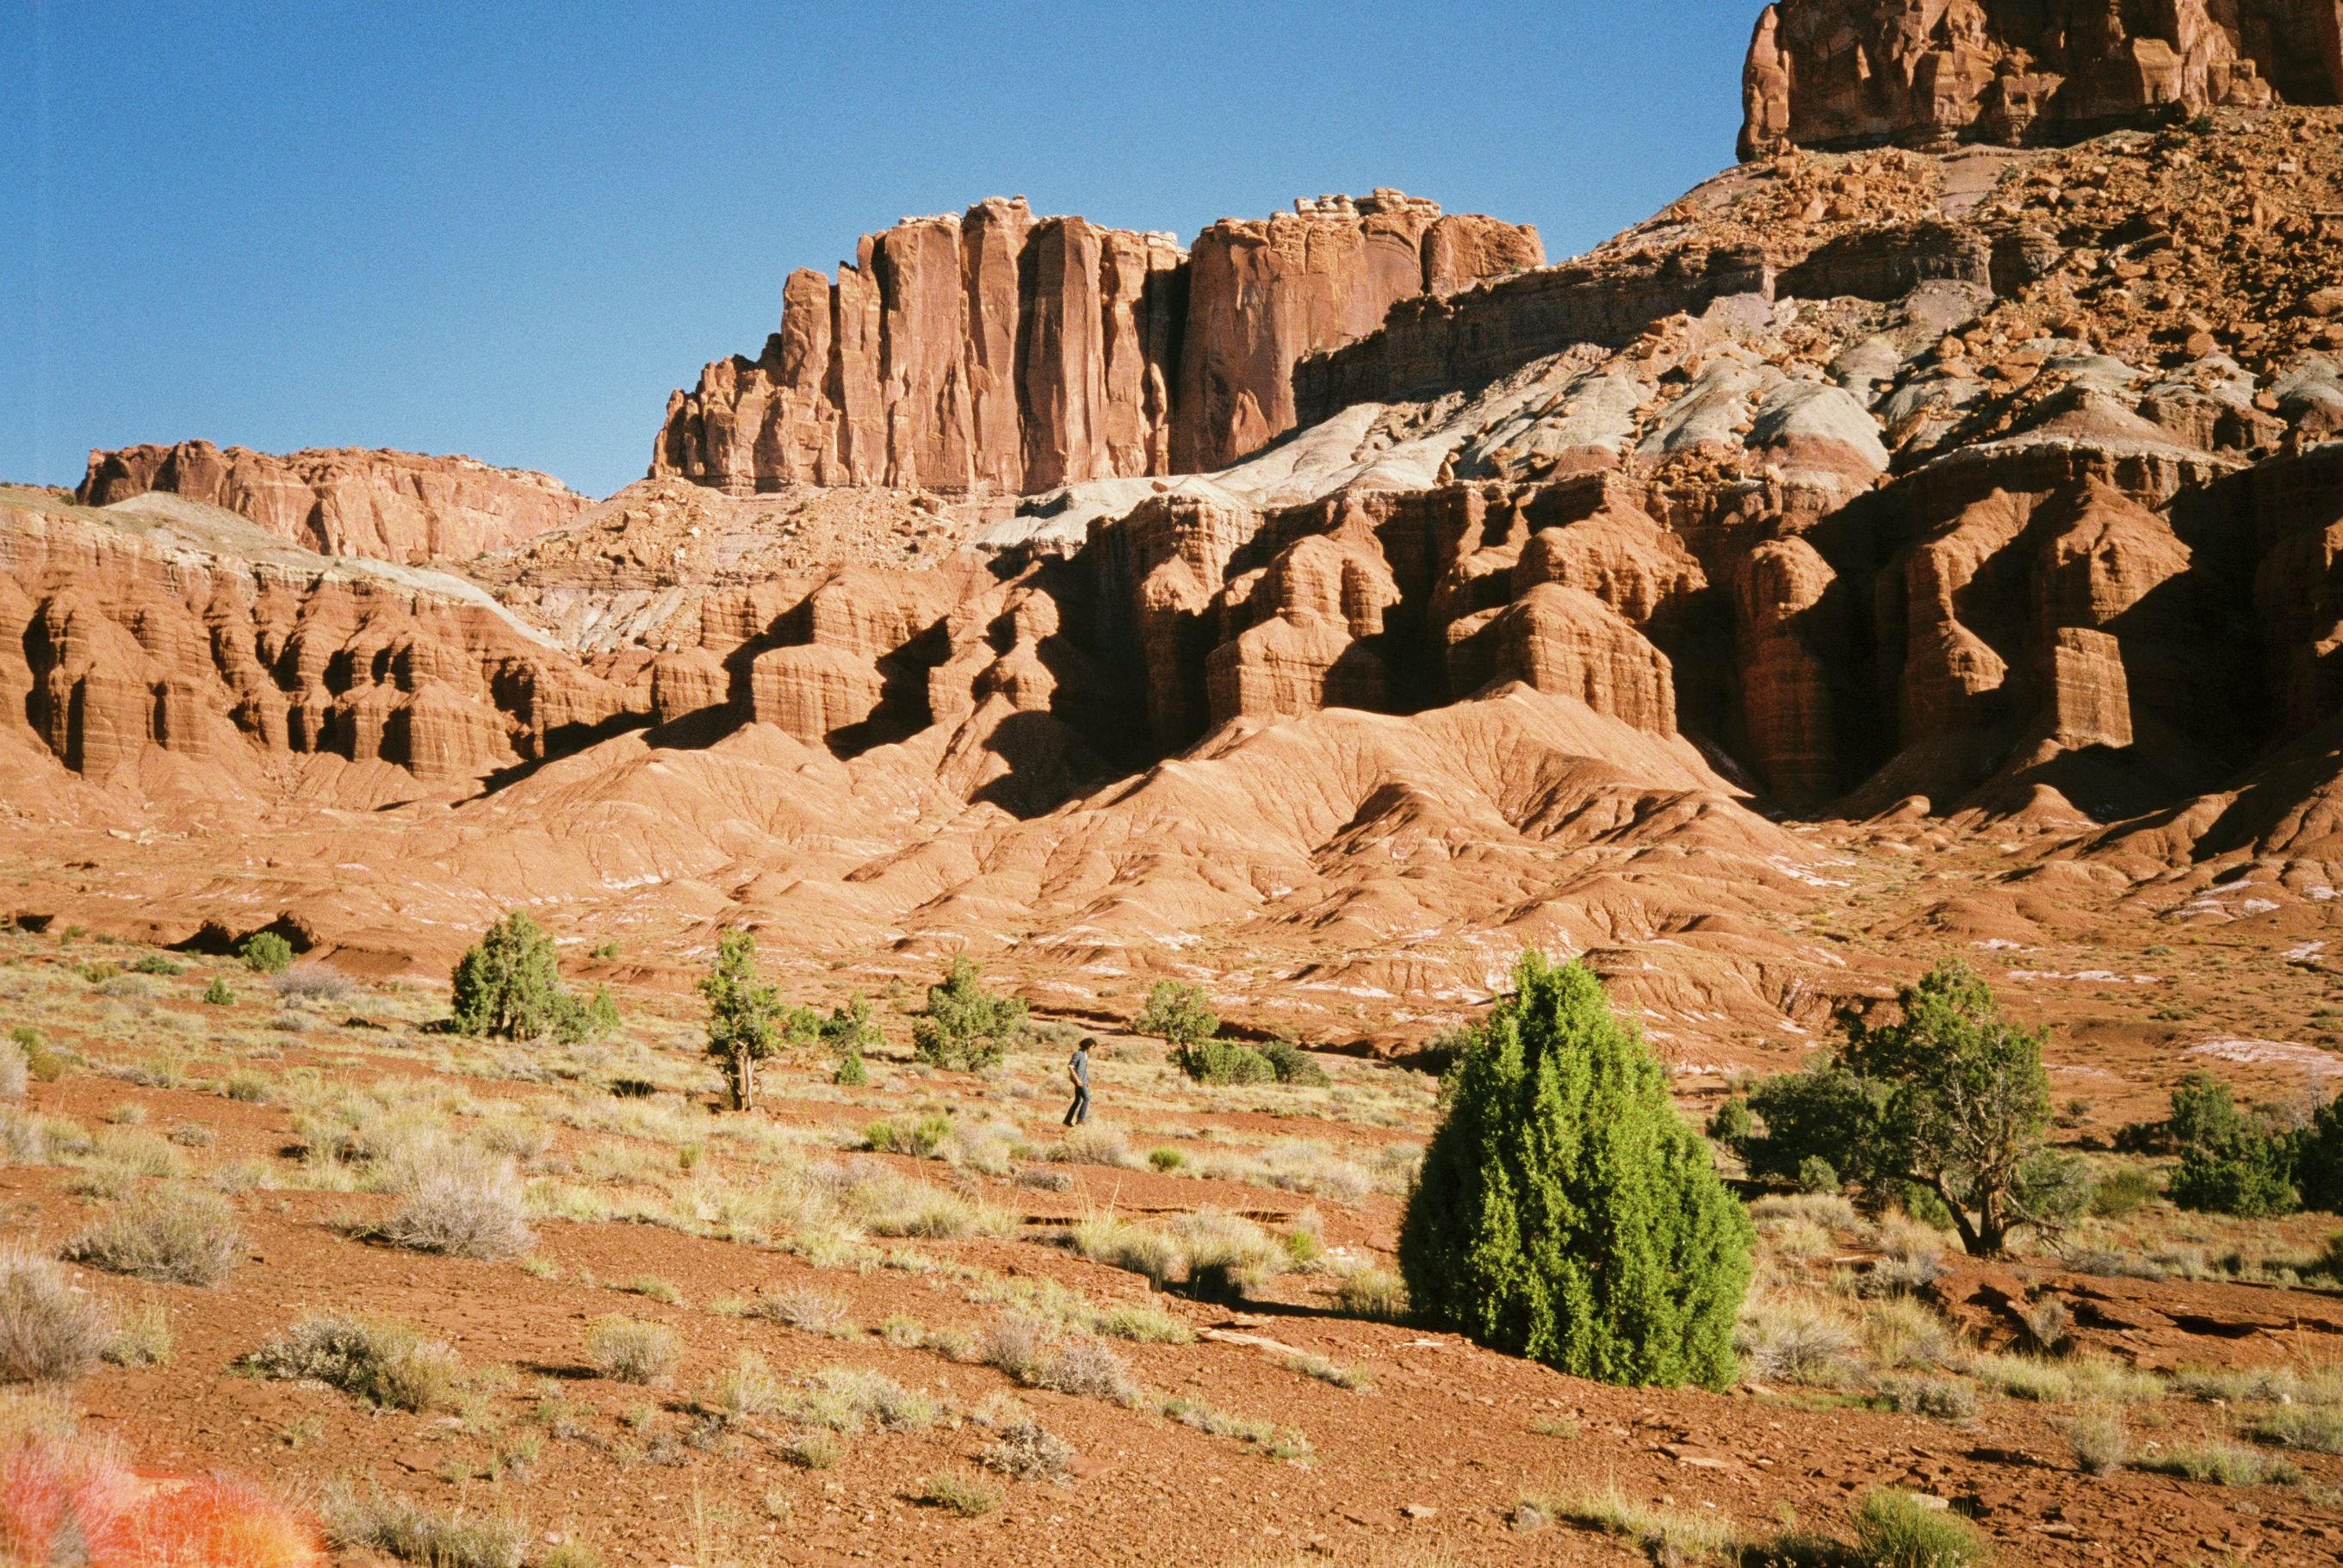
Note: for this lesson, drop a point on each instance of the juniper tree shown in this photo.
(1564, 1212)
(744, 1015)
(511, 984)
(966, 1025)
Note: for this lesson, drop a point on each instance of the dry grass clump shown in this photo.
(963, 1495)
(457, 1199)
(887, 1205)
(1798, 1338)
(412, 1533)
(1078, 1363)
(14, 1070)
(1901, 1331)
(1024, 1450)
(1379, 1294)
(747, 1389)
(2097, 1438)
(312, 983)
(1937, 1398)
(633, 1350)
(2222, 1465)
(168, 1235)
(1896, 1529)
(144, 1340)
(1666, 1534)
(2065, 1380)
(817, 1450)
(1094, 1143)
(1121, 1244)
(49, 1331)
(1342, 1375)
(806, 1310)
(2301, 1426)
(383, 1362)
(1142, 1324)
(846, 1399)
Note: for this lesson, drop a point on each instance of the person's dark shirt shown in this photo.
(1082, 1066)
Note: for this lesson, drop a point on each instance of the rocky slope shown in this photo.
(1837, 73)
(1875, 553)
(999, 352)
(390, 506)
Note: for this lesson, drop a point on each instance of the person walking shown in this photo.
(1078, 1073)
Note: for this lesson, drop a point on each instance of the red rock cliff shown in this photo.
(390, 506)
(1824, 73)
(998, 351)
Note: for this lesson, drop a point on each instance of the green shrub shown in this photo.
(1177, 1014)
(266, 952)
(1223, 1061)
(156, 964)
(2232, 1161)
(1293, 1064)
(965, 1025)
(2223, 1464)
(2318, 1158)
(1563, 1210)
(1166, 1159)
(1896, 1529)
(849, 1032)
(2118, 1192)
(218, 994)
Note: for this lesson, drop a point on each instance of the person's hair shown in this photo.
(1087, 1041)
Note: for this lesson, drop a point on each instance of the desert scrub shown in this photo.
(1123, 1244)
(655, 1288)
(1896, 1529)
(384, 1362)
(266, 952)
(1142, 1324)
(633, 1350)
(168, 1235)
(456, 1199)
(1077, 1364)
(49, 1331)
(963, 1495)
(412, 1533)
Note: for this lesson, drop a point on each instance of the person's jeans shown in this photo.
(1079, 1110)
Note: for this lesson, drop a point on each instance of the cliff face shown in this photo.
(1838, 73)
(389, 506)
(998, 352)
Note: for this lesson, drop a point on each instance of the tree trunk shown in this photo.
(744, 1080)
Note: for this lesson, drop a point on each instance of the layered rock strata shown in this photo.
(1838, 73)
(996, 351)
(390, 506)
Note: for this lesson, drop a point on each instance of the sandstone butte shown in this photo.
(1939, 510)
(999, 351)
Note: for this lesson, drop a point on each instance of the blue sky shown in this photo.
(509, 230)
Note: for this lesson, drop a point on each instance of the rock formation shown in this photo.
(390, 506)
(1836, 73)
(999, 352)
